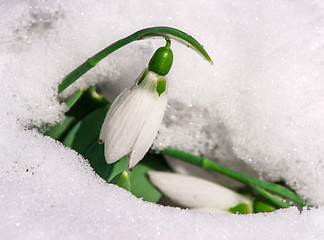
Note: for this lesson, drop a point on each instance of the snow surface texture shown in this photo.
(260, 103)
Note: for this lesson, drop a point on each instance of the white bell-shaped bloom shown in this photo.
(134, 118)
(197, 193)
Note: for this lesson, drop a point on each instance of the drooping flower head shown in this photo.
(134, 118)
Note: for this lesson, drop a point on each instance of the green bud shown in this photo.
(162, 59)
(122, 180)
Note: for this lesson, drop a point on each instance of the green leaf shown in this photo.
(141, 185)
(89, 101)
(241, 208)
(96, 157)
(262, 206)
(59, 130)
(70, 101)
(94, 99)
(86, 131)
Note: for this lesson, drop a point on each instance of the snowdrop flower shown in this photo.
(134, 118)
(197, 193)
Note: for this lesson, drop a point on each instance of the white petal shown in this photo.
(117, 103)
(125, 124)
(185, 168)
(113, 121)
(148, 131)
(194, 192)
(126, 118)
(125, 94)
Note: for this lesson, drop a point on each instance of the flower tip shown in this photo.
(155, 176)
(149, 173)
(131, 169)
(131, 164)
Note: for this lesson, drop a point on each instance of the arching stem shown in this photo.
(166, 32)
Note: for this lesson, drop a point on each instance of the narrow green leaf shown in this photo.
(95, 98)
(58, 130)
(262, 206)
(95, 155)
(270, 197)
(86, 131)
(70, 101)
(115, 168)
(241, 208)
(89, 101)
(141, 186)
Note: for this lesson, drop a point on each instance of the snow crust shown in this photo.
(260, 105)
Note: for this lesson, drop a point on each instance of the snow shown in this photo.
(260, 105)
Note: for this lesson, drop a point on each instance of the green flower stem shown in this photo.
(258, 185)
(166, 32)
